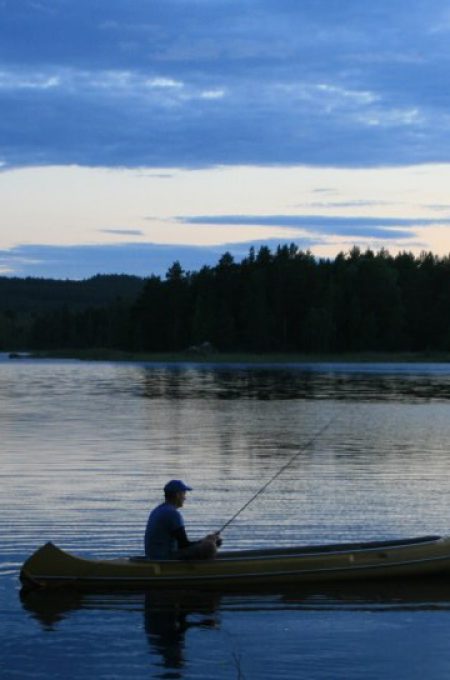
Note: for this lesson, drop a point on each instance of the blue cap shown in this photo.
(176, 485)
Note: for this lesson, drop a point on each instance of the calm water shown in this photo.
(86, 447)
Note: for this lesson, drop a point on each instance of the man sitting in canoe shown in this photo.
(165, 535)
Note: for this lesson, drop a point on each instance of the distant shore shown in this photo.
(101, 354)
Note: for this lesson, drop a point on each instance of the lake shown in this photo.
(87, 447)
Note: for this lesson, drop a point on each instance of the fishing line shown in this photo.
(280, 471)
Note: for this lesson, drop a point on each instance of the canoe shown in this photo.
(422, 557)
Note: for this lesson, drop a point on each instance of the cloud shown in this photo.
(146, 259)
(79, 262)
(164, 83)
(212, 94)
(389, 228)
(342, 204)
(190, 84)
(438, 206)
(10, 80)
(123, 232)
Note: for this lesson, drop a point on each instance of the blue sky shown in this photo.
(181, 100)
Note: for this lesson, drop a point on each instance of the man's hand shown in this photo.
(215, 538)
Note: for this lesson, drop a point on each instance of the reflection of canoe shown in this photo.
(419, 557)
(51, 606)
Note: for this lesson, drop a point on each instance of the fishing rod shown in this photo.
(278, 473)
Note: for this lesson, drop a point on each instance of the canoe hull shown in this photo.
(424, 557)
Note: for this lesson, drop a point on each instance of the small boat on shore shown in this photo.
(422, 557)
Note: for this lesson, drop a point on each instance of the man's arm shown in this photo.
(181, 538)
(183, 541)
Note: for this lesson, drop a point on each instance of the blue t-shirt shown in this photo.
(162, 522)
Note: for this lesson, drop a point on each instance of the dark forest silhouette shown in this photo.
(281, 301)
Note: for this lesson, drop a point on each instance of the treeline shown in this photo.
(31, 294)
(34, 311)
(281, 301)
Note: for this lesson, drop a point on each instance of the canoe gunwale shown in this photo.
(298, 551)
(302, 551)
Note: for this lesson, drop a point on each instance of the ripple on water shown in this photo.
(86, 449)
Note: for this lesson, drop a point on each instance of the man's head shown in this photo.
(175, 492)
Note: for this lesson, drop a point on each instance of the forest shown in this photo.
(284, 300)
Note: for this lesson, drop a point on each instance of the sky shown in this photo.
(138, 132)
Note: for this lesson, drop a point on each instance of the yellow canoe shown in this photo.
(417, 557)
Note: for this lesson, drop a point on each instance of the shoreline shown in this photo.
(99, 354)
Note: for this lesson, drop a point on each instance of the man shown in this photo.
(165, 535)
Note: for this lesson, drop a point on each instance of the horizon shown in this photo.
(211, 265)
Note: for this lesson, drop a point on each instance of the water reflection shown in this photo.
(338, 382)
(86, 449)
(169, 614)
(167, 618)
(410, 594)
(337, 625)
(52, 607)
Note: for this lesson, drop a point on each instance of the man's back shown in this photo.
(163, 521)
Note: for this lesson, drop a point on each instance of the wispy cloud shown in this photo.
(445, 207)
(361, 227)
(164, 83)
(79, 262)
(341, 204)
(179, 84)
(10, 80)
(123, 232)
(301, 220)
(103, 82)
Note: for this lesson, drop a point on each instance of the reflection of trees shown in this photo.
(263, 384)
(229, 384)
